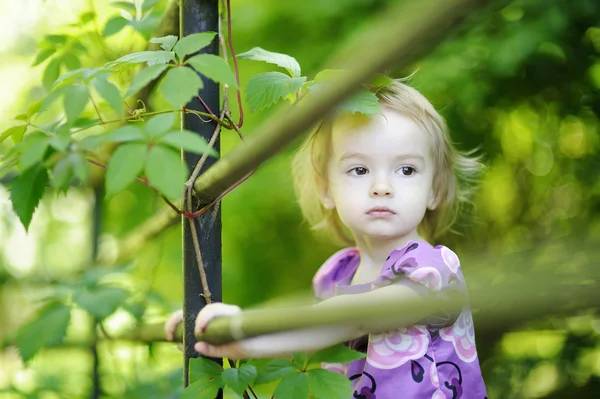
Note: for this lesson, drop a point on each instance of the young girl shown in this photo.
(381, 183)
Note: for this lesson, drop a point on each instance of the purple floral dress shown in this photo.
(434, 359)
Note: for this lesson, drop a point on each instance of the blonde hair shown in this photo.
(455, 172)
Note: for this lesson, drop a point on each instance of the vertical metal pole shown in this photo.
(96, 391)
(200, 16)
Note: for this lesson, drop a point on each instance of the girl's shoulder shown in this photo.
(340, 265)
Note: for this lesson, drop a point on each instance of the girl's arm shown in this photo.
(307, 340)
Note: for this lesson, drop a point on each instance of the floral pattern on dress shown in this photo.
(394, 348)
(336, 367)
(450, 259)
(430, 277)
(462, 336)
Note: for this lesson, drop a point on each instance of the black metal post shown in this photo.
(200, 16)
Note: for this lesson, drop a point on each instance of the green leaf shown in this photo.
(300, 359)
(71, 61)
(159, 124)
(110, 93)
(47, 329)
(114, 25)
(62, 174)
(100, 301)
(87, 17)
(325, 384)
(124, 5)
(125, 164)
(149, 57)
(147, 25)
(34, 108)
(81, 166)
(292, 386)
(75, 99)
(124, 134)
(43, 55)
(166, 42)
(188, 141)
(166, 171)
(57, 39)
(239, 379)
(50, 98)
(201, 366)
(179, 86)
(148, 4)
(194, 42)
(17, 131)
(273, 369)
(364, 101)
(205, 388)
(51, 73)
(335, 354)
(265, 89)
(26, 191)
(144, 77)
(37, 144)
(282, 60)
(215, 68)
(62, 139)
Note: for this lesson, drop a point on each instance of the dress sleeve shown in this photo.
(429, 271)
(331, 272)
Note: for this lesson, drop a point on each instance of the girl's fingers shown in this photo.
(212, 311)
(171, 324)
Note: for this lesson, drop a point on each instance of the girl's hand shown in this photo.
(234, 350)
(171, 324)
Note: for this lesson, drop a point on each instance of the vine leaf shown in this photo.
(125, 164)
(124, 134)
(292, 386)
(191, 43)
(239, 379)
(205, 378)
(335, 354)
(101, 301)
(188, 141)
(75, 99)
(46, 330)
(179, 85)
(282, 60)
(215, 68)
(159, 124)
(205, 388)
(325, 384)
(125, 6)
(166, 42)
(26, 191)
(148, 57)
(51, 73)
(16, 132)
(144, 77)
(271, 370)
(109, 92)
(36, 146)
(43, 55)
(114, 26)
(166, 171)
(363, 101)
(265, 89)
(200, 366)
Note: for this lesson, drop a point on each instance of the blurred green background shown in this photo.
(520, 83)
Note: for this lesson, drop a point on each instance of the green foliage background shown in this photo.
(520, 84)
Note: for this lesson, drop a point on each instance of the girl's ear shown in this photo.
(324, 196)
(433, 200)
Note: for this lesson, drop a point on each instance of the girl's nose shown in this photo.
(382, 188)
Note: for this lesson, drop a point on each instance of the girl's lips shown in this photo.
(381, 211)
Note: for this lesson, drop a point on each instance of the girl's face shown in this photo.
(380, 175)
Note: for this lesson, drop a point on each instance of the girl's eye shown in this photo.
(407, 170)
(359, 170)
